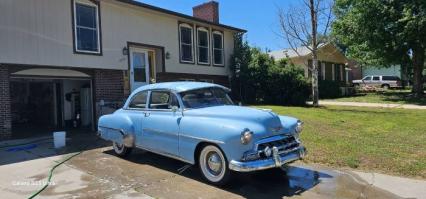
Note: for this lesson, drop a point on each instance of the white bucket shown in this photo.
(59, 139)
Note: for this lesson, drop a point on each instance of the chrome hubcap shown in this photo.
(214, 163)
(118, 147)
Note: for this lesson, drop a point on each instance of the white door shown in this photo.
(139, 68)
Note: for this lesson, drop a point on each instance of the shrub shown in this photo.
(286, 85)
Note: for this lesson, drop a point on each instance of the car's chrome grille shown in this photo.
(283, 144)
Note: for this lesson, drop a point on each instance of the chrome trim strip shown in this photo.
(169, 155)
(202, 139)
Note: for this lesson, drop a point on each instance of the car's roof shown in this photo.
(179, 86)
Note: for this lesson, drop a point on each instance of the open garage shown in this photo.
(42, 104)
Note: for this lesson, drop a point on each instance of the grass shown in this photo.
(390, 141)
(386, 97)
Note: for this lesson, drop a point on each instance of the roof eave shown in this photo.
(158, 9)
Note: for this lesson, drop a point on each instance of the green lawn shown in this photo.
(391, 141)
(388, 97)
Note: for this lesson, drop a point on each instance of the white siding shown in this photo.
(39, 32)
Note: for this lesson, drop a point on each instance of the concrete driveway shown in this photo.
(98, 173)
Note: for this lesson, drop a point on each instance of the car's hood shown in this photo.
(357, 81)
(236, 115)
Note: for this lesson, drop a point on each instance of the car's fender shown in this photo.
(117, 127)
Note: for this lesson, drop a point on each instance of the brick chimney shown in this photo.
(208, 11)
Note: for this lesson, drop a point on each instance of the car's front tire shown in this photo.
(121, 150)
(213, 165)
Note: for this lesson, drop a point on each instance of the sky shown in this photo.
(258, 17)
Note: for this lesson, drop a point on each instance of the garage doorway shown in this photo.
(41, 106)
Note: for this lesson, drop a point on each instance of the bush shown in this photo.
(329, 89)
(266, 81)
(287, 85)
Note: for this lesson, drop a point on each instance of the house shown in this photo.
(333, 64)
(63, 63)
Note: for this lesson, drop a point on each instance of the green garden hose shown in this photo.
(51, 173)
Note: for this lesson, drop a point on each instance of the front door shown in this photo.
(160, 124)
(139, 68)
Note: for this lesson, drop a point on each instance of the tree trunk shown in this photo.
(315, 90)
(418, 65)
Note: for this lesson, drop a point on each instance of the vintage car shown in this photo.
(198, 123)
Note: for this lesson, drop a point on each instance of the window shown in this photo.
(367, 78)
(203, 45)
(139, 100)
(376, 78)
(186, 46)
(86, 28)
(218, 48)
(205, 97)
(163, 100)
(390, 78)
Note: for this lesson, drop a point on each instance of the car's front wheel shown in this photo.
(213, 165)
(121, 150)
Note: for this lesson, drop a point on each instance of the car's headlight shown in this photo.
(246, 136)
(299, 126)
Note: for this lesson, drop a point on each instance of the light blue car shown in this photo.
(198, 123)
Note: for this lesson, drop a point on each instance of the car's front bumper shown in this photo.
(277, 160)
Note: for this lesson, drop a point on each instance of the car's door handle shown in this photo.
(146, 114)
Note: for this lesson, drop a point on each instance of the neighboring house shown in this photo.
(394, 70)
(64, 62)
(333, 65)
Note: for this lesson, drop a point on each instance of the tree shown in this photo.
(384, 32)
(239, 65)
(307, 26)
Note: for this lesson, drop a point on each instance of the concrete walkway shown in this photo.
(378, 105)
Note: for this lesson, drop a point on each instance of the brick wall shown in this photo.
(5, 109)
(168, 77)
(207, 11)
(108, 86)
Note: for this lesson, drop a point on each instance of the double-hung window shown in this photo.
(86, 28)
(218, 58)
(203, 45)
(186, 43)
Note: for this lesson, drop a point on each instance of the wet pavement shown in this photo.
(98, 173)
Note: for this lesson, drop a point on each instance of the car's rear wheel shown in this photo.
(213, 165)
(121, 150)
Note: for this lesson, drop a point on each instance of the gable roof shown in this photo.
(177, 14)
(291, 53)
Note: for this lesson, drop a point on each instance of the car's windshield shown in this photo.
(205, 97)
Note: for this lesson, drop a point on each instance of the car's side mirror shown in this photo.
(175, 108)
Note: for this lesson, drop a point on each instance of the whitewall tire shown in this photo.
(213, 165)
(121, 150)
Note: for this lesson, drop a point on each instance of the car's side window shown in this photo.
(376, 78)
(163, 100)
(139, 100)
(368, 78)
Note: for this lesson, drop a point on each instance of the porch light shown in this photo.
(167, 55)
(125, 51)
